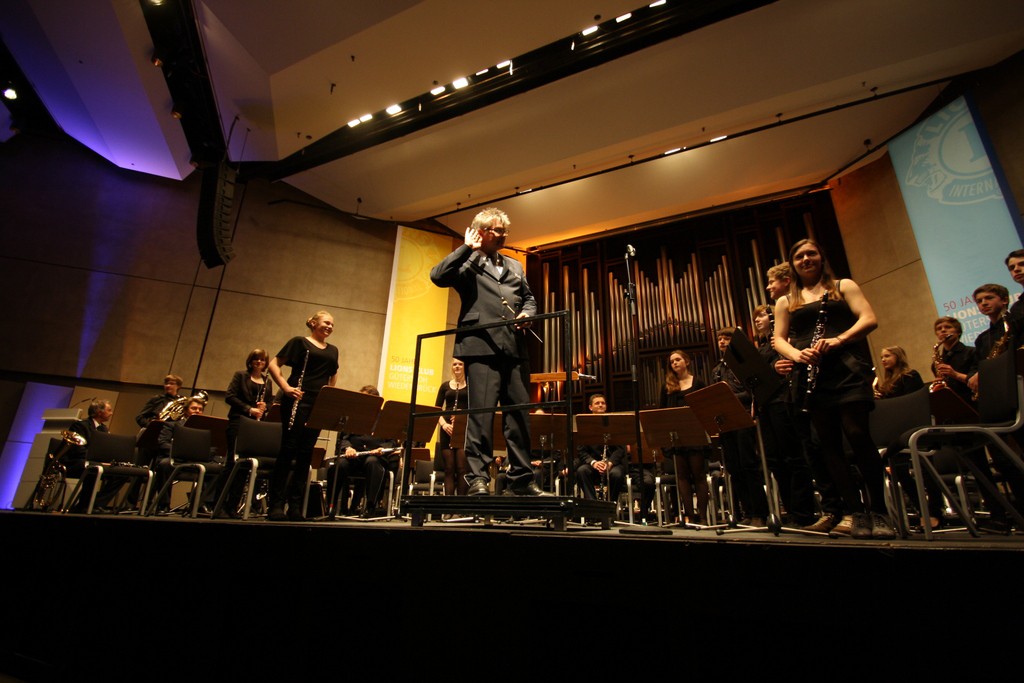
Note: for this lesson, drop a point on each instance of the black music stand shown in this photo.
(393, 425)
(553, 439)
(674, 428)
(344, 411)
(607, 429)
(720, 411)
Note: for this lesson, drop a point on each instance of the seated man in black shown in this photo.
(361, 456)
(600, 464)
(100, 412)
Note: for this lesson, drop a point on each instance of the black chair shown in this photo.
(112, 456)
(256, 450)
(191, 460)
(891, 423)
(1000, 397)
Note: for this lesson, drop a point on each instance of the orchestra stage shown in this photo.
(111, 596)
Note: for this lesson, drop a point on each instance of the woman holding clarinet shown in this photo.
(822, 324)
(314, 364)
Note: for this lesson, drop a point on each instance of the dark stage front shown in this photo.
(168, 598)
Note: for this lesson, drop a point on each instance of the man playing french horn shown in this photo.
(153, 407)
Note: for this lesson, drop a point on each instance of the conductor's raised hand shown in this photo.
(474, 240)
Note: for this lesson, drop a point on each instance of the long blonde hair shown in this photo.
(828, 279)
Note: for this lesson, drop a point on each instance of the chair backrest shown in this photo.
(997, 389)
(258, 439)
(107, 447)
(894, 416)
(191, 445)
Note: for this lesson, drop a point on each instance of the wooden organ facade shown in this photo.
(693, 276)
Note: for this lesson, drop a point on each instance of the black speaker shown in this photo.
(213, 225)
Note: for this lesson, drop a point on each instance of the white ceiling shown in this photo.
(273, 63)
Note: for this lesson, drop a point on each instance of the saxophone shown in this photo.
(819, 334)
(938, 356)
(1004, 341)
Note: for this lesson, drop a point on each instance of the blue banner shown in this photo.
(956, 203)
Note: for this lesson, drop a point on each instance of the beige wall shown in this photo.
(102, 279)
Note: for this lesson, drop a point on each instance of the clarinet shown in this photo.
(812, 370)
(298, 385)
(260, 396)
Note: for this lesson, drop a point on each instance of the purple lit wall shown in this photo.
(27, 423)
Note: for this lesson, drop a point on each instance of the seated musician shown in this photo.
(100, 412)
(953, 362)
(599, 463)
(898, 379)
(361, 456)
(172, 383)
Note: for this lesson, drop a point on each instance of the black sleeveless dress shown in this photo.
(845, 375)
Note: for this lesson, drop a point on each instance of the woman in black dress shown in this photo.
(897, 377)
(690, 463)
(452, 396)
(822, 324)
(314, 365)
(249, 394)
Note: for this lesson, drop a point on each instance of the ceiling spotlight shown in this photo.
(672, 151)
(365, 117)
(588, 31)
(460, 83)
(393, 109)
(482, 72)
(353, 123)
(11, 94)
(502, 65)
(658, 3)
(176, 113)
(437, 91)
(620, 19)
(720, 137)
(156, 61)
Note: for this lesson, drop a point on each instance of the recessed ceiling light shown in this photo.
(393, 109)
(460, 83)
(437, 91)
(622, 18)
(720, 137)
(365, 117)
(588, 31)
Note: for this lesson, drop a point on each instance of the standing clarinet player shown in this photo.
(841, 397)
(492, 288)
(314, 364)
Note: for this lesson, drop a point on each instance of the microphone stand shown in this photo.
(632, 344)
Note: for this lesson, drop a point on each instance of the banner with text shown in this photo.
(957, 208)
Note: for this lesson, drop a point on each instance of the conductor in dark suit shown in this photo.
(492, 288)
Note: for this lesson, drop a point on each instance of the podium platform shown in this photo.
(554, 510)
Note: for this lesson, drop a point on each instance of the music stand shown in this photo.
(719, 411)
(606, 429)
(552, 439)
(673, 428)
(341, 410)
(148, 443)
(393, 425)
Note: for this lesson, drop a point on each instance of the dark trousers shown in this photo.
(786, 459)
(589, 479)
(490, 381)
(296, 454)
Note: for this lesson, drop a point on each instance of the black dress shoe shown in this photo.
(478, 488)
(530, 489)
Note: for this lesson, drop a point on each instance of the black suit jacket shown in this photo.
(482, 293)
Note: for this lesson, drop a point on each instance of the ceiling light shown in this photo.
(394, 109)
(437, 91)
(620, 19)
(588, 31)
(720, 137)
(482, 72)
(502, 65)
(459, 83)
(176, 113)
(365, 117)
(11, 94)
(659, 3)
(672, 151)
(353, 123)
